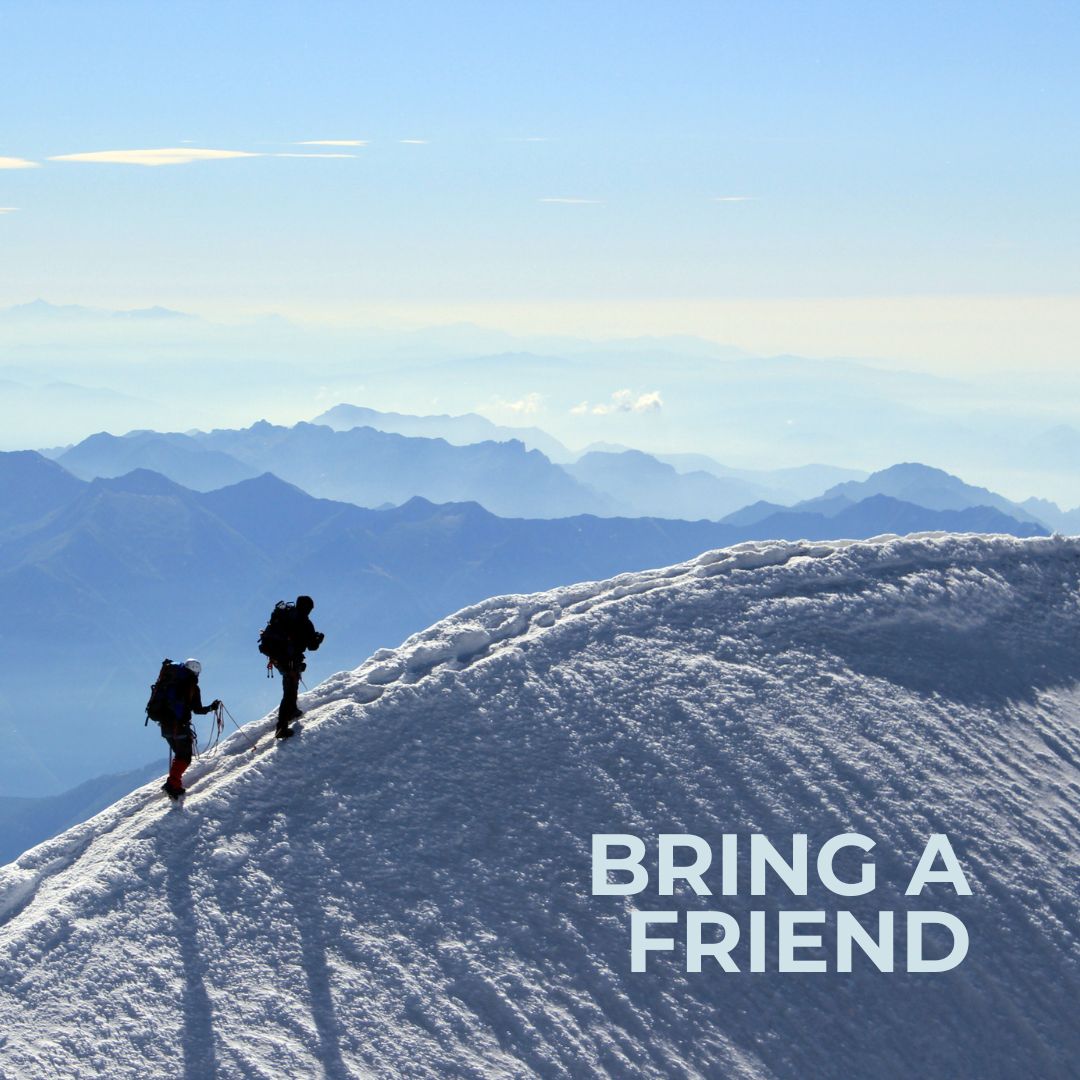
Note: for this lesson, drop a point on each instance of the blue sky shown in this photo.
(749, 155)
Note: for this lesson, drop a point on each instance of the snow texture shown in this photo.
(404, 890)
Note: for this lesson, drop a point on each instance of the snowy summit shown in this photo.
(404, 890)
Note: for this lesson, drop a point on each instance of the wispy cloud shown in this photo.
(17, 163)
(734, 198)
(314, 155)
(528, 138)
(172, 155)
(9, 209)
(529, 405)
(572, 201)
(414, 142)
(332, 142)
(622, 401)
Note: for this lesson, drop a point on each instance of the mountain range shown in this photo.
(103, 578)
(459, 430)
(379, 463)
(360, 465)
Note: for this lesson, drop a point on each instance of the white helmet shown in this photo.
(193, 666)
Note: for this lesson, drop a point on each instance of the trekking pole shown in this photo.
(238, 728)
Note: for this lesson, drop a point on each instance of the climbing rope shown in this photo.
(238, 728)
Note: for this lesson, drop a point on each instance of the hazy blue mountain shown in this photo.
(791, 484)
(369, 464)
(459, 430)
(755, 512)
(130, 570)
(179, 457)
(26, 821)
(43, 311)
(1062, 521)
(922, 485)
(878, 514)
(609, 448)
(641, 485)
(831, 505)
(155, 313)
(31, 487)
(369, 468)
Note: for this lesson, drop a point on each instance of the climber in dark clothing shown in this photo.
(174, 698)
(288, 634)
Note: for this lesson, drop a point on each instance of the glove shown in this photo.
(216, 703)
(319, 636)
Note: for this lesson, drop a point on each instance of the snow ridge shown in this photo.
(403, 890)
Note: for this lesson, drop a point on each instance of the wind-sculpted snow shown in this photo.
(404, 890)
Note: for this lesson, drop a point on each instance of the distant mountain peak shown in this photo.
(44, 310)
(151, 313)
(908, 470)
(141, 482)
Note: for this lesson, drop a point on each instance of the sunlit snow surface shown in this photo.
(404, 889)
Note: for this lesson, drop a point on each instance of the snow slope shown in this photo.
(404, 890)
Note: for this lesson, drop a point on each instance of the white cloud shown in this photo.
(414, 142)
(580, 409)
(9, 209)
(314, 155)
(572, 201)
(624, 401)
(529, 405)
(734, 198)
(650, 402)
(183, 155)
(333, 142)
(17, 163)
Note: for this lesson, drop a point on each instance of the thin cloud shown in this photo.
(9, 209)
(572, 201)
(734, 198)
(529, 405)
(623, 401)
(18, 163)
(528, 138)
(314, 155)
(172, 155)
(332, 142)
(414, 142)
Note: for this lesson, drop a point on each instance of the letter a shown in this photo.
(938, 844)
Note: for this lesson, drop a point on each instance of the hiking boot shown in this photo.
(284, 733)
(174, 791)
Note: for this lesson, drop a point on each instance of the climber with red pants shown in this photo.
(173, 699)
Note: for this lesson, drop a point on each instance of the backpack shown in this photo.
(169, 696)
(276, 637)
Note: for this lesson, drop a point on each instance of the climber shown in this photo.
(173, 699)
(283, 640)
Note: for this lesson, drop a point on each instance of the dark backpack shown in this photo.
(276, 637)
(170, 695)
